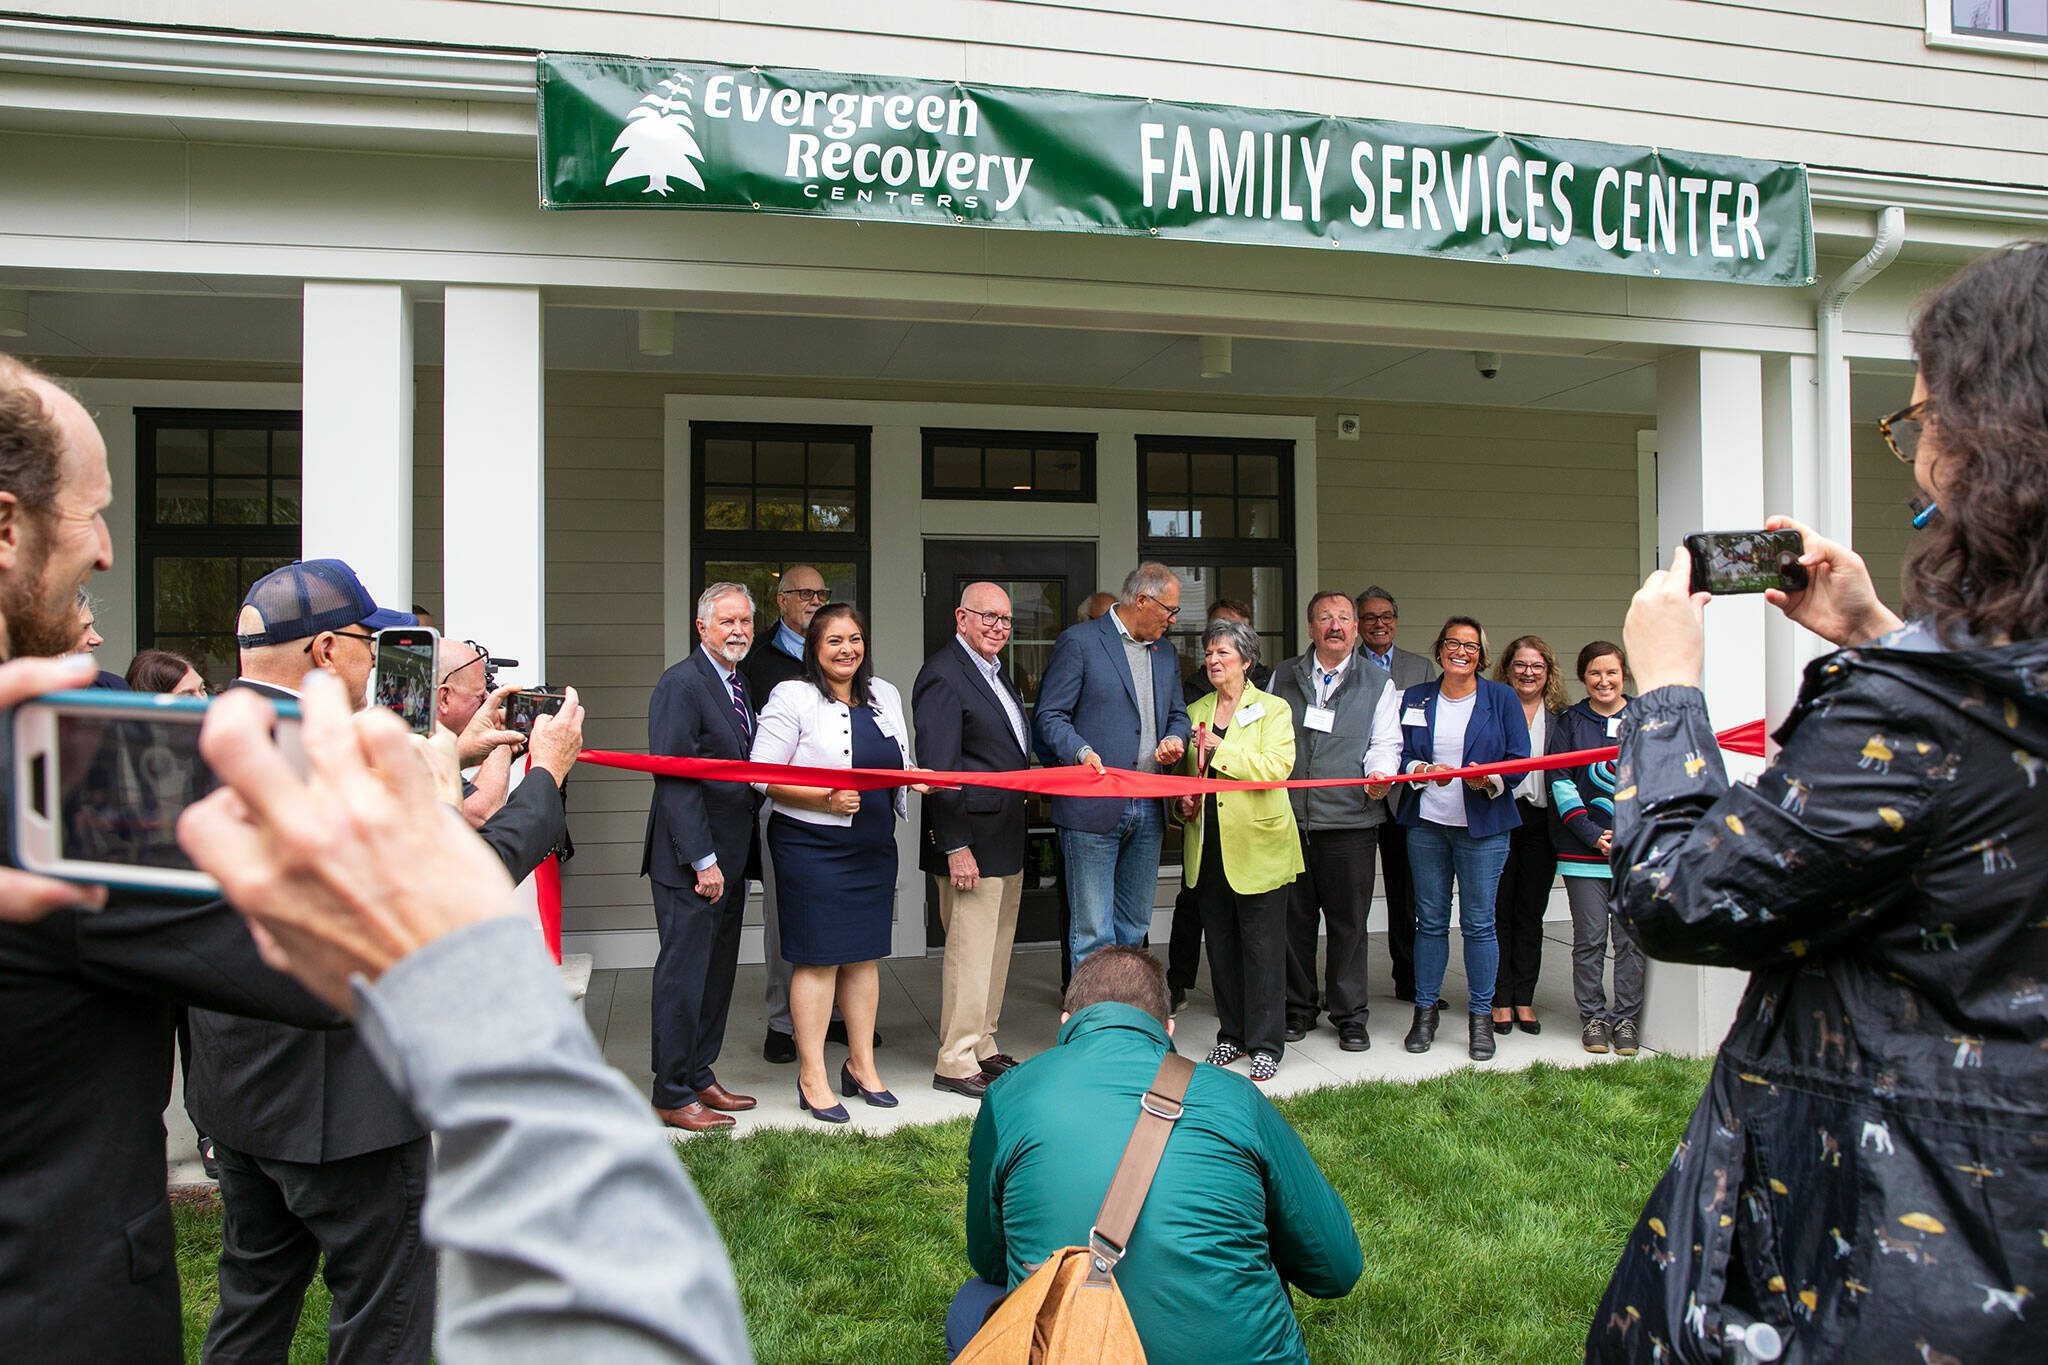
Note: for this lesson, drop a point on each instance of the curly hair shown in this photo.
(31, 446)
(1555, 698)
(1981, 568)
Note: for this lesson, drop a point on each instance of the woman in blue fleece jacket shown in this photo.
(1582, 827)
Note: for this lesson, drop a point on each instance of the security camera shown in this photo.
(1487, 363)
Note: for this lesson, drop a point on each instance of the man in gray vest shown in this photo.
(1346, 724)
(1378, 619)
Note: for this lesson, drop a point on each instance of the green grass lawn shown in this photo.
(1491, 1206)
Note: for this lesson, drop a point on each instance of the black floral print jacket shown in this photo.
(1868, 1170)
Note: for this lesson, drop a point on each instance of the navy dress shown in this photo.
(835, 885)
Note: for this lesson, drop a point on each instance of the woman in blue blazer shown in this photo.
(1458, 829)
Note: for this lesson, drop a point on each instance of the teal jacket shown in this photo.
(1238, 1211)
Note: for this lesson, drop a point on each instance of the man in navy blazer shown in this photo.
(700, 849)
(970, 719)
(1111, 697)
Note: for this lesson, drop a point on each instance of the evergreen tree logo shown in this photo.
(658, 141)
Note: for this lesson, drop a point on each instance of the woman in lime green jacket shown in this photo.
(1241, 851)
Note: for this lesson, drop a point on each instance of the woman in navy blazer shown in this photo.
(1458, 830)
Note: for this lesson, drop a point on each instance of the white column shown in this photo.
(358, 400)
(494, 552)
(896, 620)
(1710, 477)
(1792, 485)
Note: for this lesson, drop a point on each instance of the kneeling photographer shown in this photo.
(1867, 1166)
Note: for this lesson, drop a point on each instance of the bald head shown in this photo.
(54, 486)
(983, 619)
(462, 688)
(799, 592)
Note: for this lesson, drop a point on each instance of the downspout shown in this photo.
(1834, 488)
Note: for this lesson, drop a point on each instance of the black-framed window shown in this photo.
(219, 495)
(768, 495)
(2001, 18)
(1009, 466)
(1220, 513)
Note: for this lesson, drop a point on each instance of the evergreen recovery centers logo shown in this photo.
(659, 140)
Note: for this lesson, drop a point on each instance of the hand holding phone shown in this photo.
(404, 678)
(24, 896)
(1728, 562)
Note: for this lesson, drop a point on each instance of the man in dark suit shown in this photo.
(318, 1154)
(1111, 697)
(777, 657)
(970, 719)
(701, 847)
(1378, 620)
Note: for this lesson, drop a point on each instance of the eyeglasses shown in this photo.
(1472, 647)
(1172, 613)
(483, 656)
(1902, 429)
(994, 620)
(820, 595)
(345, 634)
(1376, 618)
(1529, 668)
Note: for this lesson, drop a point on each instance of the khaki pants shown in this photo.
(981, 927)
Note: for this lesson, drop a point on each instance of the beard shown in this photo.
(733, 651)
(40, 623)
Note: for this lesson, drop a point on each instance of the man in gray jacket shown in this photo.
(1346, 724)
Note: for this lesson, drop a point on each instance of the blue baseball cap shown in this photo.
(301, 600)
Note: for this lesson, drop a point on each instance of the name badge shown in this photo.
(1252, 712)
(885, 724)
(1613, 726)
(1413, 716)
(1319, 718)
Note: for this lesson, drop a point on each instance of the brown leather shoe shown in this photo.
(694, 1118)
(717, 1097)
(972, 1087)
(996, 1063)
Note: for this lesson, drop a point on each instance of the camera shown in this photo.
(526, 706)
(1487, 363)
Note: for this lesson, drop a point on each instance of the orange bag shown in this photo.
(1070, 1310)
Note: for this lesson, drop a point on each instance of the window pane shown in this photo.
(240, 502)
(834, 515)
(779, 462)
(199, 596)
(1259, 474)
(1009, 469)
(181, 502)
(1057, 471)
(1215, 517)
(1213, 473)
(1258, 518)
(1167, 522)
(1166, 471)
(727, 509)
(284, 454)
(779, 509)
(241, 453)
(180, 450)
(284, 502)
(728, 462)
(832, 465)
(956, 467)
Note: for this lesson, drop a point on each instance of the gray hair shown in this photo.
(1241, 636)
(710, 596)
(1375, 590)
(84, 599)
(1150, 579)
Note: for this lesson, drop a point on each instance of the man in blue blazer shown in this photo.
(700, 845)
(1111, 697)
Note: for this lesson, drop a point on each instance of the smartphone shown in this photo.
(1726, 562)
(524, 707)
(98, 779)
(404, 677)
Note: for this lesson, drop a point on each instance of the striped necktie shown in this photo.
(739, 703)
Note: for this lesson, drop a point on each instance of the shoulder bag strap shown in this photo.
(1158, 1111)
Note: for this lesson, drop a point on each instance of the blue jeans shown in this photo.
(1112, 878)
(1436, 853)
(970, 1309)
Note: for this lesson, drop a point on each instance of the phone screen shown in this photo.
(404, 680)
(523, 708)
(1727, 562)
(116, 788)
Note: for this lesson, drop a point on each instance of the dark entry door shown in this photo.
(1047, 582)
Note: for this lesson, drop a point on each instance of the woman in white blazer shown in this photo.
(834, 850)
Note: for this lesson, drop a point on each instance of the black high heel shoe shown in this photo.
(836, 1114)
(848, 1086)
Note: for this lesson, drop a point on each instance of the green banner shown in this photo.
(622, 133)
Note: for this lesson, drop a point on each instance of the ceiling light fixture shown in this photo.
(1215, 357)
(657, 332)
(13, 313)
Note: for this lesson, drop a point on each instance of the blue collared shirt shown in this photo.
(1385, 661)
(788, 641)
